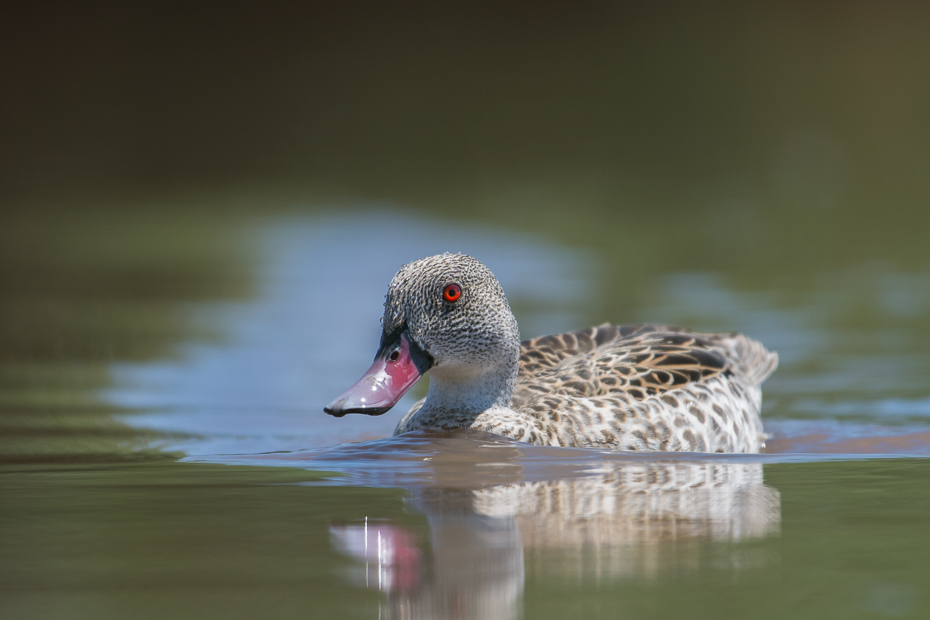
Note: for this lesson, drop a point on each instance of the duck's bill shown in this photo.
(386, 381)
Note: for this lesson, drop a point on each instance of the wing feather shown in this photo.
(637, 360)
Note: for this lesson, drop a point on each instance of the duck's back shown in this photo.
(644, 387)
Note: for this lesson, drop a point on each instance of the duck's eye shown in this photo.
(452, 292)
(394, 356)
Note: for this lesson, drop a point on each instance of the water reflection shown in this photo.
(632, 519)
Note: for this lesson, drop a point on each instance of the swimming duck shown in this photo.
(625, 387)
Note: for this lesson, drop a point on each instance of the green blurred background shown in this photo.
(779, 119)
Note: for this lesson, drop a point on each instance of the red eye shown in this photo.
(452, 292)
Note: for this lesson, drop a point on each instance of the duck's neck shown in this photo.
(472, 390)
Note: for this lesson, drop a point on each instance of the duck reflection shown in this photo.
(630, 519)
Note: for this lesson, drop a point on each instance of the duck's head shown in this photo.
(447, 313)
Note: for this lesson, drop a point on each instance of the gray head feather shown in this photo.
(478, 329)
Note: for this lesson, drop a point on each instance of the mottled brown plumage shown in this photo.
(647, 387)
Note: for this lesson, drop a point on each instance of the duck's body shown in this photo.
(631, 387)
(643, 387)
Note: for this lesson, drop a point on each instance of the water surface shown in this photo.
(190, 471)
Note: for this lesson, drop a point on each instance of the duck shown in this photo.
(620, 387)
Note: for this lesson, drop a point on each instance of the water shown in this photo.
(203, 478)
